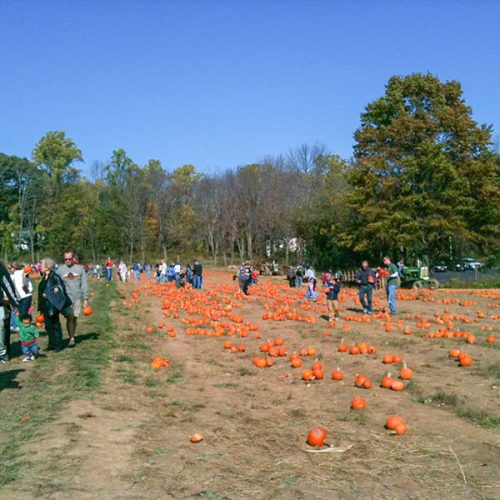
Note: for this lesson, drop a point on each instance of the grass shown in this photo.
(492, 370)
(458, 407)
(52, 382)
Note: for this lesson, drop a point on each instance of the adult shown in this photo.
(310, 274)
(75, 280)
(108, 266)
(197, 274)
(299, 277)
(171, 272)
(365, 278)
(189, 274)
(52, 299)
(392, 283)
(122, 271)
(245, 277)
(290, 276)
(163, 271)
(24, 287)
(8, 300)
(137, 271)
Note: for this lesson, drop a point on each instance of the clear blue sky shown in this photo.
(221, 83)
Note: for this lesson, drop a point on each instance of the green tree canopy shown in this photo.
(424, 173)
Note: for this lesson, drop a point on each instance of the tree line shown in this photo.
(422, 182)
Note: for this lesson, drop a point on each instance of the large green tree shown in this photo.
(424, 174)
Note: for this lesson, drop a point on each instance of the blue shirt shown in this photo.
(333, 290)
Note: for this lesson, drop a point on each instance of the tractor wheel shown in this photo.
(417, 285)
(433, 284)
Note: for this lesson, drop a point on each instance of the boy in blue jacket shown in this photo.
(332, 297)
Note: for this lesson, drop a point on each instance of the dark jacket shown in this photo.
(365, 276)
(52, 296)
(7, 287)
(197, 269)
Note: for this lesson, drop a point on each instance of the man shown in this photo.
(8, 297)
(365, 278)
(197, 274)
(392, 283)
(137, 271)
(75, 279)
(310, 274)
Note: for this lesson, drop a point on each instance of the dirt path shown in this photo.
(130, 440)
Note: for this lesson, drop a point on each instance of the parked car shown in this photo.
(440, 268)
(468, 265)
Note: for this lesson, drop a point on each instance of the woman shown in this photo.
(52, 299)
(122, 271)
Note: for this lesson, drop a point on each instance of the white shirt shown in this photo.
(163, 268)
(177, 269)
(310, 274)
(19, 281)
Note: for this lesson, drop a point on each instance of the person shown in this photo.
(137, 271)
(24, 287)
(299, 277)
(171, 272)
(28, 335)
(122, 271)
(392, 283)
(365, 278)
(147, 270)
(163, 271)
(245, 277)
(197, 274)
(310, 274)
(290, 276)
(75, 280)
(8, 299)
(311, 292)
(401, 267)
(95, 271)
(52, 299)
(108, 266)
(177, 272)
(189, 274)
(332, 296)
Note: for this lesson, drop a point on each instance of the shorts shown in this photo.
(74, 309)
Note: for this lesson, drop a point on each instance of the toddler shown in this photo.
(28, 334)
(332, 296)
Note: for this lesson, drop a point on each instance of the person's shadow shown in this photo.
(8, 379)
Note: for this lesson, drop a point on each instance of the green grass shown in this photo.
(481, 283)
(52, 381)
(458, 407)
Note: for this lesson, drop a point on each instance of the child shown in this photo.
(28, 333)
(311, 292)
(332, 296)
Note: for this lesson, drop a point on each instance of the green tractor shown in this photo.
(418, 277)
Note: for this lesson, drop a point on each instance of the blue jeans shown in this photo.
(366, 291)
(28, 350)
(136, 275)
(298, 281)
(197, 280)
(109, 274)
(391, 297)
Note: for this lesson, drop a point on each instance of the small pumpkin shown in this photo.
(358, 403)
(316, 436)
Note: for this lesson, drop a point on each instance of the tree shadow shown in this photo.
(8, 379)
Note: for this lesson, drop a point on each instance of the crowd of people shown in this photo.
(63, 291)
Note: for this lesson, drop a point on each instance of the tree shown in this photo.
(423, 173)
(55, 154)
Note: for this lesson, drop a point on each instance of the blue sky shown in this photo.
(224, 83)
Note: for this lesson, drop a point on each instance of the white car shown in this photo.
(469, 264)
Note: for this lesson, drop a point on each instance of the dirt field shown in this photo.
(124, 431)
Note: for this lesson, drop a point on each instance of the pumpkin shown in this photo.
(342, 347)
(87, 310)
(40, 318)
(358, 403)
(259, 362)
(150, 329)
(454, 353)
(296, 362)
(401, 429)
(278, 341)
(316, 436)
(317, 365)
(406, 373)
(491, 339)
(196, 438)
(397, 385)
(311, 351)
(367, 384)
(465, 360)
(318, 374)
(388, 359)
(337, 374)
(354, 349)
(386, 381)
(372, 349)
(393, 421)
(360, 378)
(228, 345)
(307, 375)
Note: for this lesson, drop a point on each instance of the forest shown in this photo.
(422, 183)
